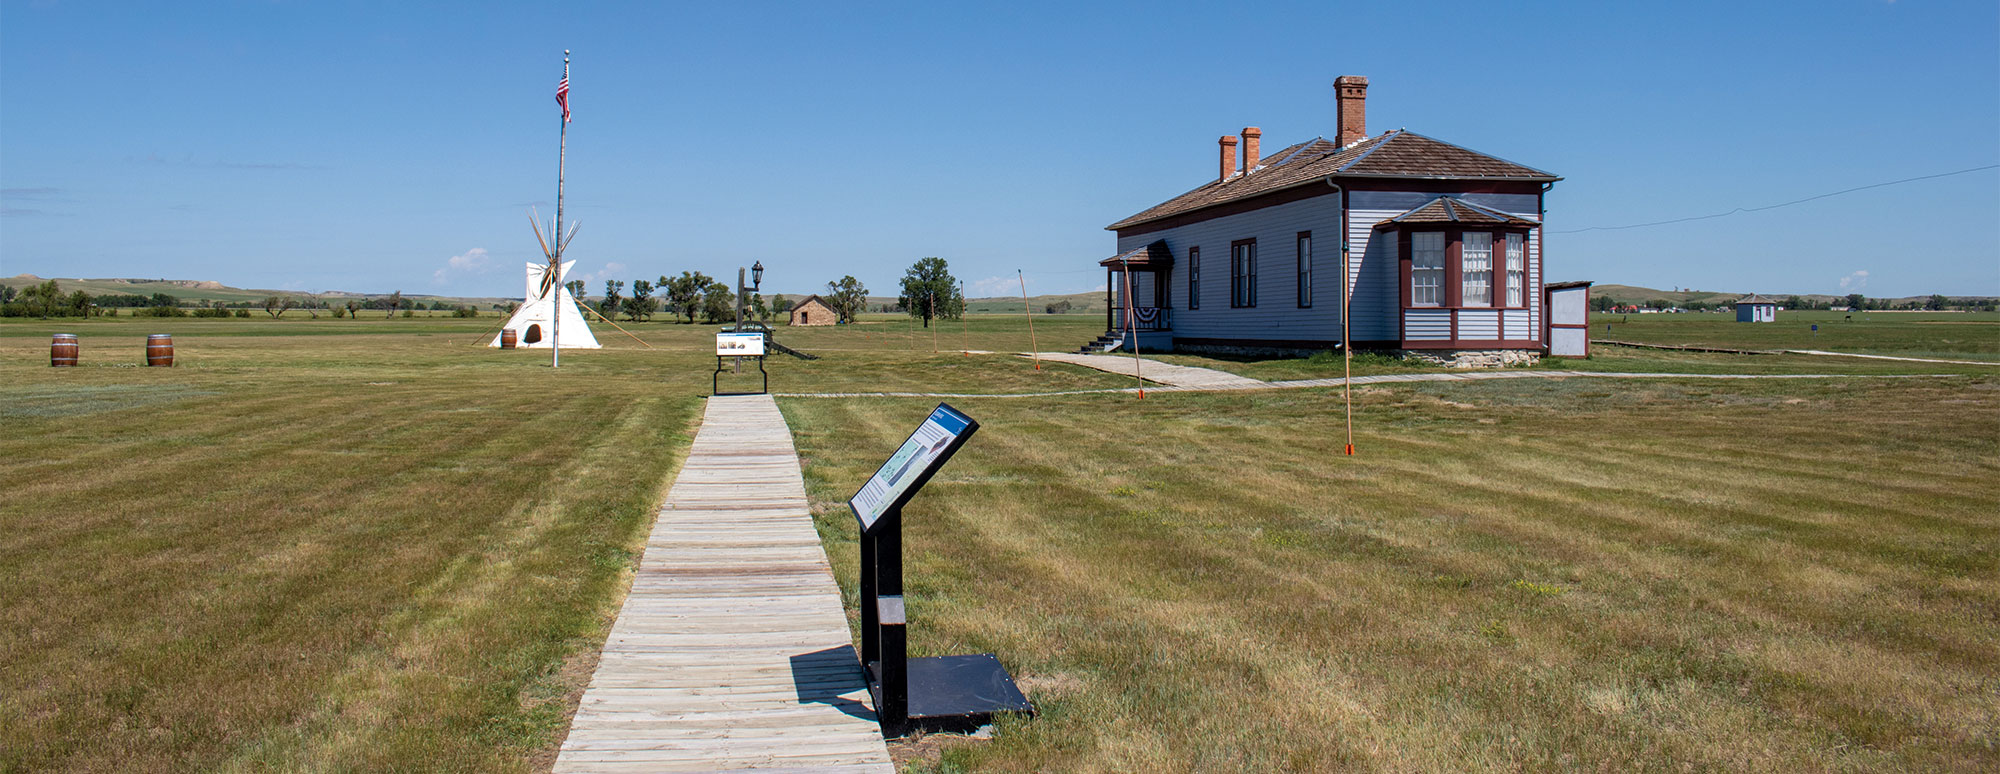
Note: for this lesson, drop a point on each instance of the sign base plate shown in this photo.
(957, 693)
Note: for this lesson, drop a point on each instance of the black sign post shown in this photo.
(937, 693)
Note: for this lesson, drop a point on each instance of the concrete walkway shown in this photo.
(1825, 353)
(1153, 370)
(1471, 376)
(732, 651)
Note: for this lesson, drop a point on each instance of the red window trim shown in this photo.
(1249, 294)
(1194, 277)
(1302, 269)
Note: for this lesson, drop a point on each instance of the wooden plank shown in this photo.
(732, 650)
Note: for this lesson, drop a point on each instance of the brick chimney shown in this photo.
(1350, 94)
(1251, 135)
(1228, 143)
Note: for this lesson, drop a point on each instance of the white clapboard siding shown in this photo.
(1375, 273)
(1427, 324)
(1519, 326)
(1477, 324)
(1277, 316)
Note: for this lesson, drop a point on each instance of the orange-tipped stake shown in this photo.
(1033, 349)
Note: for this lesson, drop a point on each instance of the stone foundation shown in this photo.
(1474, 358)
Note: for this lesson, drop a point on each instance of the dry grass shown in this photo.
(1545, 575)
(332, 544)
(336, 545)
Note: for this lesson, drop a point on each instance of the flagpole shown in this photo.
(555, 256)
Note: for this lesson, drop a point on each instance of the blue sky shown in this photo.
(374, 147)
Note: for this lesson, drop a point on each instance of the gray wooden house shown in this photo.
(1441, 247)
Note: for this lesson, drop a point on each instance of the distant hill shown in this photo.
(1632, 294)
(192, 292)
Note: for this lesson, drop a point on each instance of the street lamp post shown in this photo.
(743, 298)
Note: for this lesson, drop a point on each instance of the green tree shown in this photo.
(7, 294)
(612, 290)
(718, 304)
(1856, 301)
(45, 300)
(1937, 302)
(642, 304)
(353, 309)
(684, 293)
(759, 308)
(576, 289)
(393, 302)
(930, 291)
(275, 306)
(847, 296)
(780, 304)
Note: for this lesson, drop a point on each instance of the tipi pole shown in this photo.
(1033, 348)
(600, 316)
(555, 234)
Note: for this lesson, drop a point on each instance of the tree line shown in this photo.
(1853, 301)
(47, 299)
(929, 291)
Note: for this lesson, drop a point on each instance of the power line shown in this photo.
(1776, 206)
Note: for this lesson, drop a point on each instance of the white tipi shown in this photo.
(543, 302)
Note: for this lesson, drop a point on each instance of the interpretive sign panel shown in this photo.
(739, 344)
(934, 442)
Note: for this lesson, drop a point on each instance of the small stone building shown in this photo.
(1756, 308)
(811, 310)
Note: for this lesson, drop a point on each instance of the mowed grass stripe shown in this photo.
(1588, 578)
(313, 572)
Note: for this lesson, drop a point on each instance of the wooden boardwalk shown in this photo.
(732, 651)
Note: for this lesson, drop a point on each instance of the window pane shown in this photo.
(1516, 264)
(1194, 278)
(1427, 268)
(1476, 269)
(1305, 271)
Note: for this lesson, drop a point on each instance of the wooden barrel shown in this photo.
(62, 350)
(159, 350)
(507, 338)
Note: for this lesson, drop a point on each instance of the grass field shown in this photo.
(1948, 335)
(342, 544)
(376, 545)
(1522, 575)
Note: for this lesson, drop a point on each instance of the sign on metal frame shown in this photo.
(940, 692)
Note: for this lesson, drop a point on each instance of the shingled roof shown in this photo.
(1451, 209)
(1400, 153)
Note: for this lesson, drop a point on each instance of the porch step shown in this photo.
(1104, 343)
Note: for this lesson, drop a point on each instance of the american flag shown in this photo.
(562, 93)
